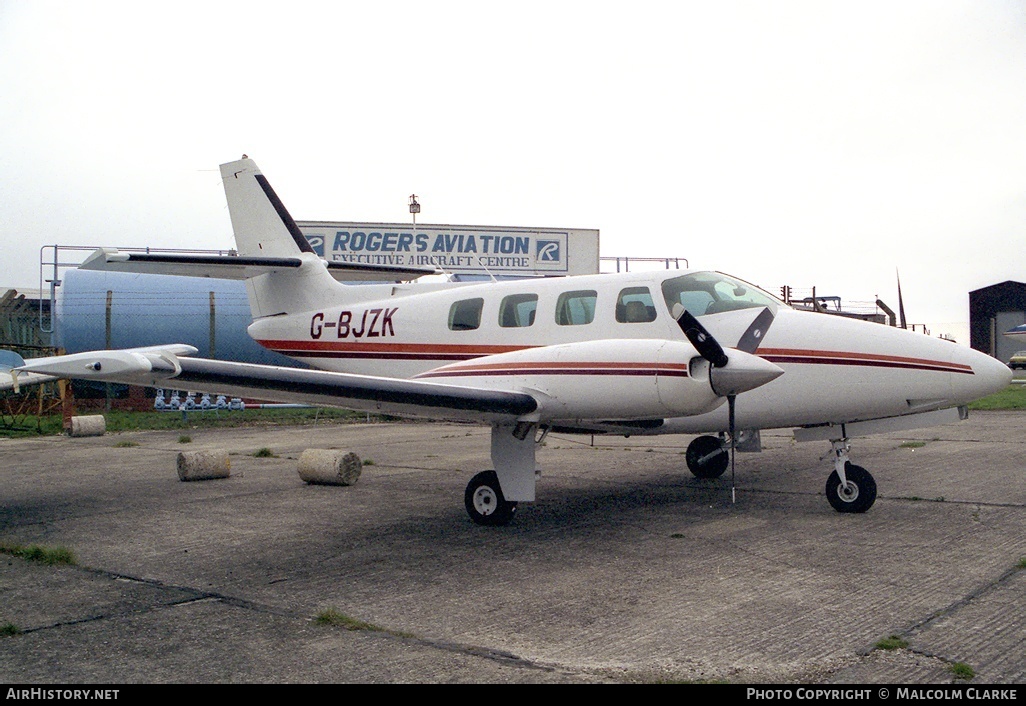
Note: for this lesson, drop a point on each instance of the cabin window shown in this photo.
(465, 315)
(634, 306)
(518, 310)
(576, 308)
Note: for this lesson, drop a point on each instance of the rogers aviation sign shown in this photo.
(458, 249)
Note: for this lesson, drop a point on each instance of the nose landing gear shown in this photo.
(849, 488)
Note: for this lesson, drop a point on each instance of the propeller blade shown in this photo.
(702, 340)
(752, 337)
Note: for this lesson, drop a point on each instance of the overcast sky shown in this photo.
(817, 143)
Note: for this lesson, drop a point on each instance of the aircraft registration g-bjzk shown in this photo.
(671, 352)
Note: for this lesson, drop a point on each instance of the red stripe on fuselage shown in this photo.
(450, 352)
(810, 357)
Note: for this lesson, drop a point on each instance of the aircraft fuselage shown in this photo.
(529, 335)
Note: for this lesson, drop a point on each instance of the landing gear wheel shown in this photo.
(857, 496)
(485, 502)
(707, 457)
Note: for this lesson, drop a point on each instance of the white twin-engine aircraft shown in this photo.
(671, 352)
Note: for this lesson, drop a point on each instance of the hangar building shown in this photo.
(994, 310)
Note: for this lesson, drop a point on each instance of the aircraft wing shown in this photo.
(13, 381)
(239, 267)
(16, 382)
(169, 367)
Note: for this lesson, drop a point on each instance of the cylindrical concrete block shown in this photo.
(329, 467)
(203, 465)
(88, 425)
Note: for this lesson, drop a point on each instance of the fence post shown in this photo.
(213, 328)
(110, 299)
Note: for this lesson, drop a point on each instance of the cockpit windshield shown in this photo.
(711, 293)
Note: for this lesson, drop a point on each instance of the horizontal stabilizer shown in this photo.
(240, 267)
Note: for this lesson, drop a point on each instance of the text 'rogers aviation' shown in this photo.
(631, 353)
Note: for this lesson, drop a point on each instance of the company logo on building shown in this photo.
(547, 250)
(316, 242)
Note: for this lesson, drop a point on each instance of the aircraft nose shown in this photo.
(989, 375)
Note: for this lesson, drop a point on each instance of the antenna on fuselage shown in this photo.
(901, 302)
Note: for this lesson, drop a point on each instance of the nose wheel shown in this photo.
(849, 488)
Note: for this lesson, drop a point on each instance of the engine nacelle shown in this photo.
(616, 379)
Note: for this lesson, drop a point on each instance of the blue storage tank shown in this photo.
(148, 310)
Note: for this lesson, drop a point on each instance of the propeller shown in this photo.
(731, 374)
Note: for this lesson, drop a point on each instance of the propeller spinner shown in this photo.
(740, 370)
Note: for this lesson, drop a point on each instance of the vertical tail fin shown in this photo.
(262, 225)
(264, 228)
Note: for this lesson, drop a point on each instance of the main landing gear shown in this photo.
(485, 502)
(849, 488)
(707, 457)
(491, 497)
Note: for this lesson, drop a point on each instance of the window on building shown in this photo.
(518, 310)
(576, 308)
(465, 315)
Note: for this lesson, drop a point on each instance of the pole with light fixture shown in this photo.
(414, 210)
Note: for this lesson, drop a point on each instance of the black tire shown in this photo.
(714, 465)
(860, 493)
(485, 502)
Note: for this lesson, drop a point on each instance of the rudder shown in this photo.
(262, 225)
(264, 229)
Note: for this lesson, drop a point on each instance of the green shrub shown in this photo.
(891, 643)
(961, 670)
(51, 556)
